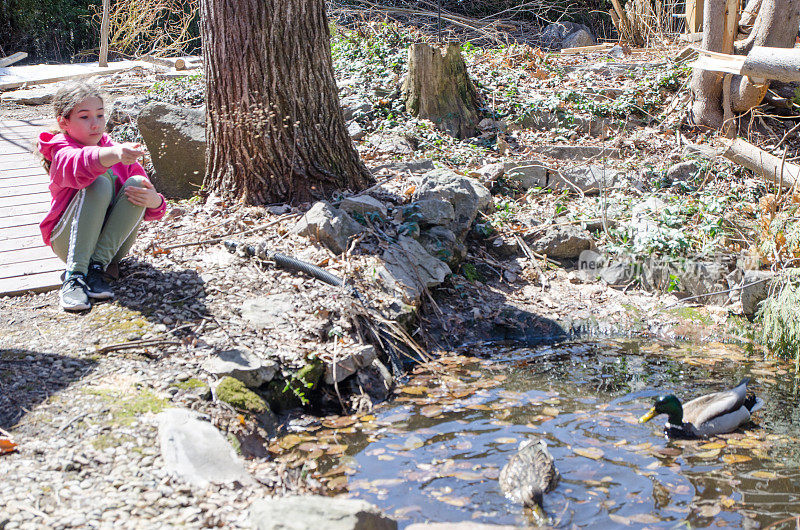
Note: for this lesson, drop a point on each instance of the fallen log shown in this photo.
(13, 58)
(768, 166)
(762, 63)
(587, 49)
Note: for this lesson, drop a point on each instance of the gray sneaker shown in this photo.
(73, 294)
(96, 285)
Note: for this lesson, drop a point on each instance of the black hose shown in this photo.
(286, 262)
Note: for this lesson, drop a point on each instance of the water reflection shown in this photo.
(434, 453)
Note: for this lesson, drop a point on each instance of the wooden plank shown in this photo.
(37, 283)
(731, 26)
(23, 172)
(13, 58)
(40, 74)
(694, 15)
(23, 209)
(20, 220)
(25, 268)
(19, 243)
(20, 232)
(27, 180)
(26, 254)
(586, 49)
(29, 162)
(17, 191)
(32, 198)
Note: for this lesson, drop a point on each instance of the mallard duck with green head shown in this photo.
(528, 475)
(717, 413)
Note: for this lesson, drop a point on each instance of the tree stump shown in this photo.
(438, 88)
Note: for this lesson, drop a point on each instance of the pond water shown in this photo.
(434, 453)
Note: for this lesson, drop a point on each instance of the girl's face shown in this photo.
(86, 122)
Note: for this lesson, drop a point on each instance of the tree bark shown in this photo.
(770, 167)
(706, 85)
(438, 88)
(275, 129)
(775, 26)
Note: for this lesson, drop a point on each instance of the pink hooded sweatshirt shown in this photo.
(74, 166)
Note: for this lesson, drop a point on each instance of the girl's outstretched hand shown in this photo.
(129, 152)
(145, 196)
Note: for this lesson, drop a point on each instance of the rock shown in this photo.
(705, 280)
(315, 512)
(176, 139)
(349, 362)
(197, 452)
(576, 152)
(413, 167)
(467, 525)
(242, 365)
(442, 243)
(618, 273)
(588, 179)
(428, 212)
(490, 173)
(235, 393)
(563, 242)
(466, 194)
(269, 312)
(681, 172)
(356, 131)
(566, 35)
(40, 95)
(391, 143)
(332, 227)
(526, 175)
(409, 269)
(355, 107)
(755, 289)
(363, 205)
(125, 109)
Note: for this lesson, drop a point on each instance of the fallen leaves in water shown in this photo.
(431, 411)
(339, 422)
(589, 452)
(764, 474)
(550, 411)
(713, 445)
(454, 501)
(505, 440)
(707, 455)
(735, 459)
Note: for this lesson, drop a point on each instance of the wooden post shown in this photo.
(694, 15)
(103, 59)
(731, 25)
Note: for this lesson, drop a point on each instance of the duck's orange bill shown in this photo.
(649, 416)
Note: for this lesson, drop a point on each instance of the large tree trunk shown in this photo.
(274, 126)
(774, 26)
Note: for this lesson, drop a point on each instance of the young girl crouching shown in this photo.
(100, 195)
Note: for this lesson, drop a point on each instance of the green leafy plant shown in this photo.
(779, 319)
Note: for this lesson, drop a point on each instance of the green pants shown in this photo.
(97, 226)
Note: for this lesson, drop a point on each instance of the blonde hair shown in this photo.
(66, 99)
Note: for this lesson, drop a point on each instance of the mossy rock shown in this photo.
(233, 392)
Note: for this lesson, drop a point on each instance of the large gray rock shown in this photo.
(363, 205)
(314, 512)
(566, 35)
(196, 452)
(442, 243)
(576, 152)
(269, 312)
(467, 195)
(681, 172)
(332, 227)
(414, 167)
(526, 175)
(428, 212)
(355, 106)
(563, 242)
(588, 179)
(242, 365)
(409, 269)
(176, 139)
(349, 362)
(756, 287)
(704, 280)
(40, 95)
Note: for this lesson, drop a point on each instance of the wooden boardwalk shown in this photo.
(26, 263)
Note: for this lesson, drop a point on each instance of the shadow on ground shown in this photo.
(170, 297)
(27, 378)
